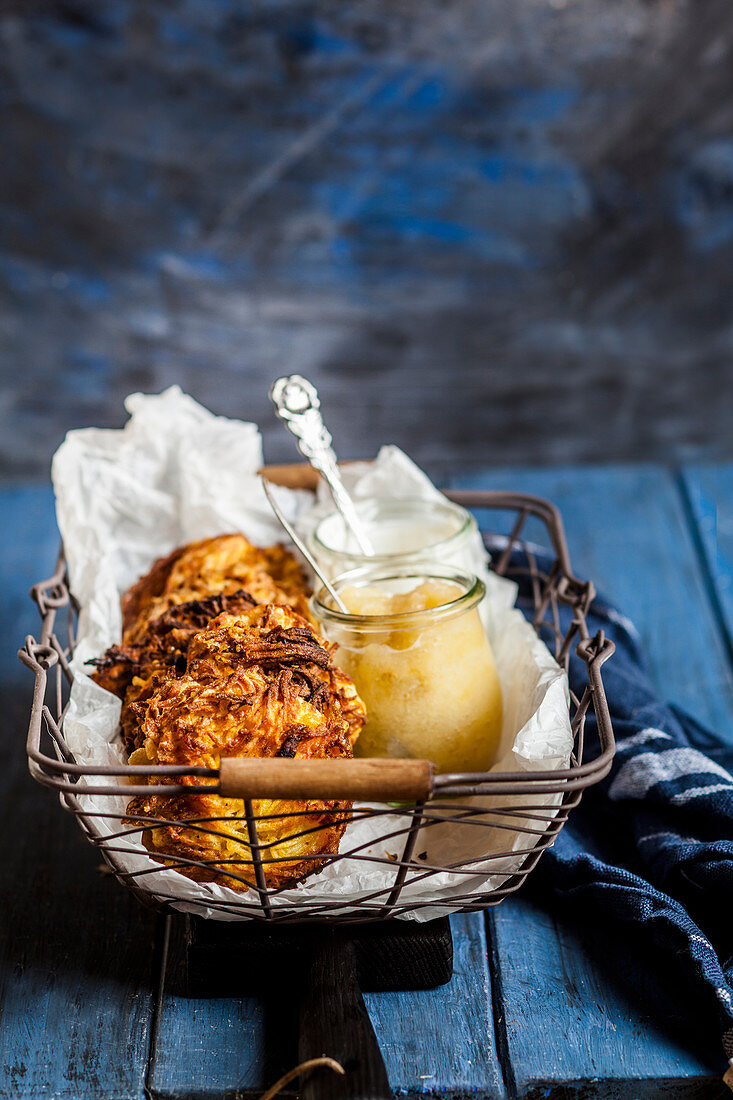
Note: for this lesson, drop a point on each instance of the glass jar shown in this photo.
(402, 531)
(415, 647)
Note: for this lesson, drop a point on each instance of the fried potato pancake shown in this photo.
(133, 671)
(222, 565)
(219, 658)
(259, 683)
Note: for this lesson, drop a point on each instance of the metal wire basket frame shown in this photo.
(551, 589)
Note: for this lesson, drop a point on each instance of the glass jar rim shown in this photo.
(473, 592)
(468, 522)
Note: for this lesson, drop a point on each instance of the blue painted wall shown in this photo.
(492, 232)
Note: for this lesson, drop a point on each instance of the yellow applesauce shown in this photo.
(429, 681)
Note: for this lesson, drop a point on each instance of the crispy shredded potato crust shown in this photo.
(217, 660)
(212, 567)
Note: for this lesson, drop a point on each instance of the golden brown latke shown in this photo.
(259, 683)
(132, 671)
(155, 635)
(203, 673)
(280, 639)
(225, 564)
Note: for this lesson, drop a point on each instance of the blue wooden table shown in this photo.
(542, 1003)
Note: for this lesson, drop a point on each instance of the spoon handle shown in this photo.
(298, 406)
(295, 538)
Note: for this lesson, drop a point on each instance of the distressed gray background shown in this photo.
(493, 231)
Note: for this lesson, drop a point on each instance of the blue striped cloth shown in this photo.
(653, 843)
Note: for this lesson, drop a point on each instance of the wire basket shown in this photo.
(532, 804)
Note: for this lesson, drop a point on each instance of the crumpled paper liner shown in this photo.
(176, 473)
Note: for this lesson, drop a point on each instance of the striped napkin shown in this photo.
(652, 845)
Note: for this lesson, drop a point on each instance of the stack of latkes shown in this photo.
(218, 658)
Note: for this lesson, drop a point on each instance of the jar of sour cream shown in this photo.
(415, 647)
(402, 532)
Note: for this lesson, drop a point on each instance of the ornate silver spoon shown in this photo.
(298, 406)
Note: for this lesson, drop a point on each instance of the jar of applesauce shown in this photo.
(414, 645)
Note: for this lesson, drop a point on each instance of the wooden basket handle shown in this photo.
(381, 779)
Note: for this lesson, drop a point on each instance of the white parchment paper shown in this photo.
(175, 473)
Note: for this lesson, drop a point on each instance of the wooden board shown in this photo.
(208, 1046)
(584, 1011)
(433, 1041)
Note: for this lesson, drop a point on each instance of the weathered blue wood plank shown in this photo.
(29, 545)
(709, 492)
(585, 1012)
(210, 1046)
(441, 1041)
(435, 1042)
(76, 950)
(677, 1070)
